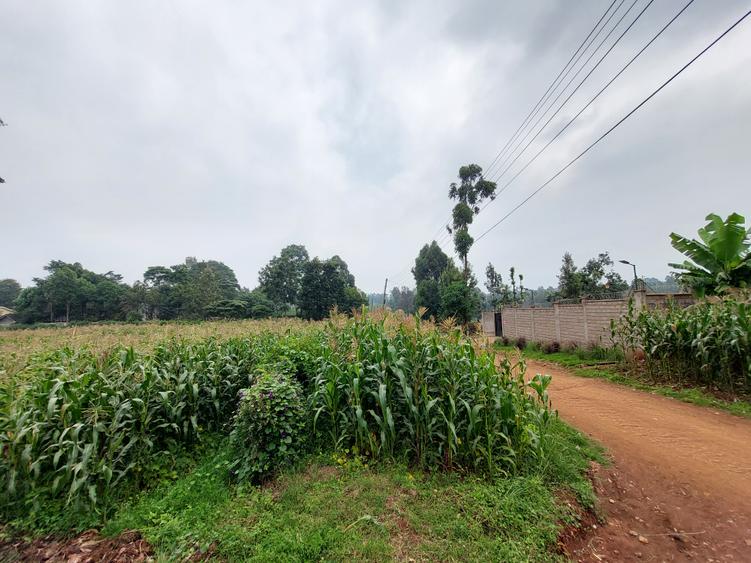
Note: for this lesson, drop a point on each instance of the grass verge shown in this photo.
(337, 508)
(582, 366)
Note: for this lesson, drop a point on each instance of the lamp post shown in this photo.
(633, 266)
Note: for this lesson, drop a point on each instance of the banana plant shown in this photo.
(720, 261)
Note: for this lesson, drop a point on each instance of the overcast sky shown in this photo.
(141, 132)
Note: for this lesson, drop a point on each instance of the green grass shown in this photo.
(337, 508)
(582, 365)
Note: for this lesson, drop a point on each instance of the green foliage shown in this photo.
(249, 304)
(669, 284)
(500, 293)
(281, 279)
(268, 431)
(257, 305)
(9, 291)
(185, 290)
(459, 297)
(427, 397)
(721, 260)
(446, 292)
(706, 344)
(430, 263)
(326, 285)
(70, 292)
(428, 296)
(569, 280)
(226, 309)
(463, 241)
(342, 510)
(460, 301)
(472, 190)
(595, 278)
(80, 430)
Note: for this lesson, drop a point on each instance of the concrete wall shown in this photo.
(587, 322)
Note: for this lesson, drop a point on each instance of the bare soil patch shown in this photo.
(404, 539)
(88, 547)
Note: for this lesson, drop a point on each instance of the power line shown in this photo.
(553, 85)
(555, 81)
(537, 109)
(615, 43)
(624, 118)
(589, 103)
(633, 22)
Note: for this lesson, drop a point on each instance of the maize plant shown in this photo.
(425, 396)
(706, 344)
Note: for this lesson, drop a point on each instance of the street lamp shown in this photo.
(632, 265)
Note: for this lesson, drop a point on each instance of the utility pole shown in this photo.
(384, 292)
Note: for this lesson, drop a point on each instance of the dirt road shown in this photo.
(680, 485)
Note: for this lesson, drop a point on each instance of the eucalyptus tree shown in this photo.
(469, 193)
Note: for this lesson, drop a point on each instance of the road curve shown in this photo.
(681, 474)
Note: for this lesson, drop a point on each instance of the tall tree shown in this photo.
(596, 277)
(569, 280)
(328, 284)
(720, 261)
(429, 265)
(469, 193)
(281, 278)
(224, 279)
(9, 292)
(65, 289)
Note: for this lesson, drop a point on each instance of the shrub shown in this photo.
(269, 428)
(552, 347)
(521, 343)
(505, 340)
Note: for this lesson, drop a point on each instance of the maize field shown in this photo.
(82, 428)
(706, 344)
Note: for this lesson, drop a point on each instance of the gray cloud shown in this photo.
(141, 133)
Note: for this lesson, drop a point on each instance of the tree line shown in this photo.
(290, 284)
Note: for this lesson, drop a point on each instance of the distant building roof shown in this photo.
(4, 312)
